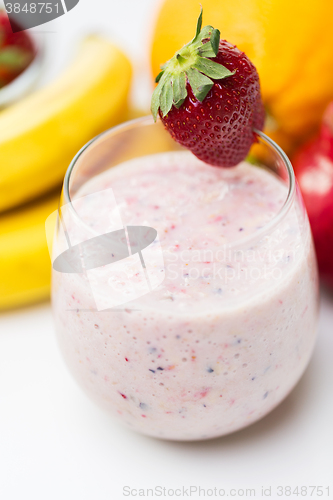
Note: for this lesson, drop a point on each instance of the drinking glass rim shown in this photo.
(148, 119)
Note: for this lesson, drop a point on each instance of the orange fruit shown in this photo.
(290, 43)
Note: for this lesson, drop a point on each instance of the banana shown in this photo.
(41, 133)
(25, 265)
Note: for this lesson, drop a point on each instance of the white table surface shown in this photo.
(55, 444)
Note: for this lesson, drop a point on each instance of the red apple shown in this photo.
(313, 165)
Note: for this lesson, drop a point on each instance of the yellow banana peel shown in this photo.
(25, 265)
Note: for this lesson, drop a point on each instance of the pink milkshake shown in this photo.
(230, 326)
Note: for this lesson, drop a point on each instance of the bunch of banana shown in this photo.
(38, 138)
(24, 259)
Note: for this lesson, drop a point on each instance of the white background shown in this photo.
(55, 444)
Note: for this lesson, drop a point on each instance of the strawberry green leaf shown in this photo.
(155, 103)
(166, 97)
(179, 103)
(157, 79)
(215, 40)
(179, 89)
(199, 24)
(155, 100)
(206, 50)
(212, 69)
(204, 34)
(200, 84)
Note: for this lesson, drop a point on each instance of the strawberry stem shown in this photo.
(199, 23)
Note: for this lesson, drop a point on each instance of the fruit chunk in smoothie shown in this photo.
(230, 330)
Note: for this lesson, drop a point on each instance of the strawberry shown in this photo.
(208, 98)
(16, 51)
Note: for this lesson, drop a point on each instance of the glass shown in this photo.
(185, 296)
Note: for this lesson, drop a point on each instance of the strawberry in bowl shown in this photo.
(22, 57)
(17, 51)
(208, 98)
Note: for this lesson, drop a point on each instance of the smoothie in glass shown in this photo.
(229, 330)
